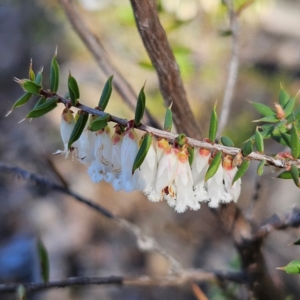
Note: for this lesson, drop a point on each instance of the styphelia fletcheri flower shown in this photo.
(165, 173)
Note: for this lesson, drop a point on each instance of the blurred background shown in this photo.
(81, 242)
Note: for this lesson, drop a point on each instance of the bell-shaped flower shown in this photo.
(129, 151)
(86, 146)
(184, 184)
(166, 171)
(199, 168)
(66, 127)
(216, 189)
(102, 152)
(161, 144)
(234, 189)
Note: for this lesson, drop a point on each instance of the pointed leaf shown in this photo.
(106, 93)
(141, 155)
(295, 142)
(259, 141)
(32, 87)
(44, 260)
(248, 148)
(213, 127)
(73, 89)
(78, 128)
(140, 107)
(226, 141)
(260, 168)
(168, 120)
(294, 116)
(263, 109)
(241, 171)
(268, 119)
(41, 101)
(287, 138)
(22, 100)
(214, 165)
(99, 123)
(31, 72)
(289, 107)
(54, 74)
(283, 97)
(39, 78)
(285, 175)
(191, 154)
(291, 268)
(295, 174)
(43, 108)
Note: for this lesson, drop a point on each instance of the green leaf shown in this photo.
(295, 142)
(285, 175)
(78, 128)
(181, 139)
(168, 119)
(213, 124)
(44, 260)
(191, 154)
(146, 143)
(214, 165)
(31, 72)
(260, 168)
(99, 123)
(268, 119)
(31, 87)
(241, 171)
(140, 107)
(295, 116)
(39, 78)
(54, 74)
(289, 107)
(295, 174)
(248, 148)
(42, 109)
(21, 101)
(283, 97)
(41, 101)
(106, 93)
(263, 109)
(286, 138)
(73, 89)
(297, 242)
(291, 268)
(226, 141)
(259, 141)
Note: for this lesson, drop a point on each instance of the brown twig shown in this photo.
(184, 277)
(232, 69)
(94, 45)
(163, 60)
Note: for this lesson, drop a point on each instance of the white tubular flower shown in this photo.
(102, 152)
(115, 156)
(166, 171)
(199, 168)
(160, 147)
(86, 146)
(184, 184)
(129, 151)
(146, 175)
(233, 190)
(66, 127)
(216, 189)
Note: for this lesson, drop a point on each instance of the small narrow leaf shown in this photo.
(191, 154)
(268, 119)
(99, 123)
(226, 141)
(294, 116)
(285, 175)
(248, 148)
(283, 97)
(213, 124)
(106, 93)
(295, 142)
(295, 174)
(44, 260)
(140, 107)
(288, 108)
(291, 268)
(168, 119)
(73, 89)
(31, 72)
(263, 109)
(214, 165)
(287, 138)
(32, 87)
(54, 74)
(39, 78)
(41, 101)
(260, 168)
(241, 171)
(78, 128)
(147, 140)
(259, 141)
(42, 109)
(21, 101)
